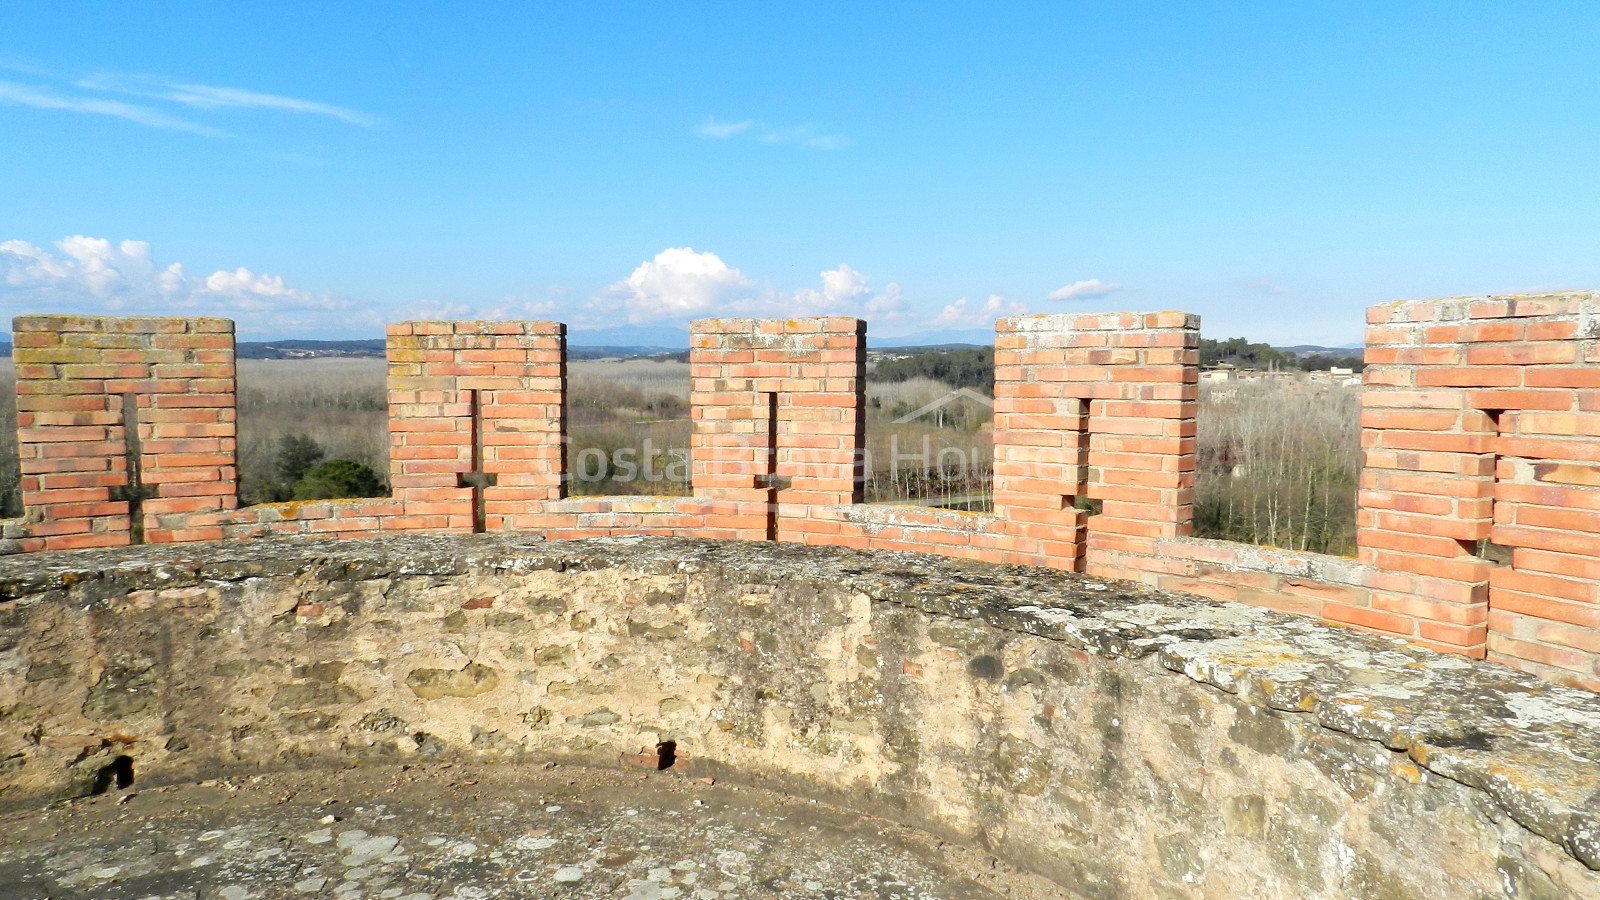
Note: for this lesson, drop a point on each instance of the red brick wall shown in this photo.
(778, 423)
(1086, 406)
(74, 375)
(1101, 407)
(464, 398)
(1481, 422)
(468, 397)
(1479, 522)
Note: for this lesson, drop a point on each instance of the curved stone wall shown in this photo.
(1122, 741)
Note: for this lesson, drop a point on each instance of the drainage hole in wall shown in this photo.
(666, 755)
(116, 774)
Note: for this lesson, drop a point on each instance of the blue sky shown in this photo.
(314, 170)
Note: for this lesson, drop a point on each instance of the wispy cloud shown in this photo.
(806, 135)
(1083, 290)
(1264, 286)
(208, 97)
(507, 310)
(42, 98)
(827, 142)
(297, 159)
(89, 96)
(711, 128)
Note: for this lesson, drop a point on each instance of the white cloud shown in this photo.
(957, 315)
(509, 309)
(249, 291)
(1083, 290)
(41, 98)
(719, 130)
(1264, 286)
(95, 276)
(203, 96)
(806, 135)
(678, 284)
(435, 311)
(845, 292)
(838, 286)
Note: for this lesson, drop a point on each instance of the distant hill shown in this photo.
(916, 349)
(308, 349)
(1316, 350)
(374, 348)
(575, 352)
(976, 337)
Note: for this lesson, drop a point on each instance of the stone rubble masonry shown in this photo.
(1479, 505)
(1122, 741)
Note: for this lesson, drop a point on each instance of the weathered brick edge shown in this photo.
(1480, 419)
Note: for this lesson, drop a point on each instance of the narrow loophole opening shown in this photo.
(1485, 549)
(666, 755)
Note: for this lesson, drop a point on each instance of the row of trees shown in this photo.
(1243, 354)
(974, 367)
(1277, 464)
(968, 367)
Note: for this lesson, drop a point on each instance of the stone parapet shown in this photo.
(1118, 739)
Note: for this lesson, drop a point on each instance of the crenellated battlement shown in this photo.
(1479, 506)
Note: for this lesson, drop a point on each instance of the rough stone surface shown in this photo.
(1123, 742)
(477, 832)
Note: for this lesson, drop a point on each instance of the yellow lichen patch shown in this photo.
(1247, 659)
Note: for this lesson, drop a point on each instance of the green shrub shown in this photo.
(335, 478)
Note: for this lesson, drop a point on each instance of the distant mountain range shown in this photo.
(374, 349)
(632, 341)
(308, 349)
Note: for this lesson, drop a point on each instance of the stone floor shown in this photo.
(479, 831)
